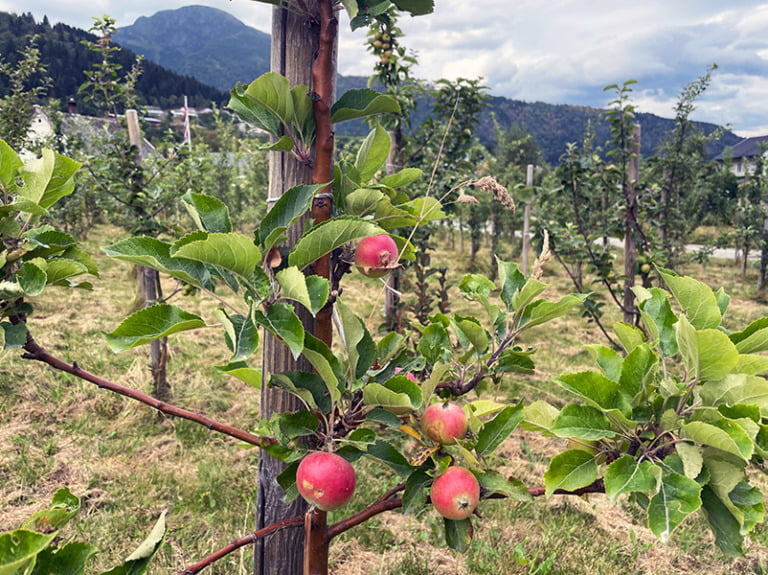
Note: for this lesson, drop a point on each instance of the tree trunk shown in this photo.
(761, 276)
(527, 221)
(294, 43)
(630, 225)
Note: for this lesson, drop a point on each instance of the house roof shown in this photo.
(747, 148)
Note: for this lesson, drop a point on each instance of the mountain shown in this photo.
(66, 58)
(216, 48)
(207, 43)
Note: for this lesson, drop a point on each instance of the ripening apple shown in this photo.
(325, 480)
(445, 422)
(455, 493)
(376, 255)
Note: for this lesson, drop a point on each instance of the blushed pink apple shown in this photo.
(445, 422)
(376, 255)
(455, 493)
(325, 480)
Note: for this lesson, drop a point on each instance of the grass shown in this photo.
(128, 464)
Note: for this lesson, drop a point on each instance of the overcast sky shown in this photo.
(560, 52)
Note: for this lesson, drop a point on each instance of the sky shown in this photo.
(559, 52)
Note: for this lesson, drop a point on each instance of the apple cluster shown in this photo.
(327, 480)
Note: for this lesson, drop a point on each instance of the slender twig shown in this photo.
(36, 352)
(241, 542)
(387, 502)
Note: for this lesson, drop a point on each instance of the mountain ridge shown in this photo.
(551, 125)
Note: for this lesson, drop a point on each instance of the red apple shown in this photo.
(455, 493)
(325, 480)
(376, 255)
(445, 422)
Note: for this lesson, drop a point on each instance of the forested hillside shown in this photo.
(66, 58)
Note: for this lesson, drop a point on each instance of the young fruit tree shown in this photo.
(675, 420)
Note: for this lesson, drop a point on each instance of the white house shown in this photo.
(744, 154)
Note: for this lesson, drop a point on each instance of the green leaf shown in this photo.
(19, 548)
(32, 277)
(736, 389)
(156, 254)
(361, 349)
(696, 299)
(310, 291)
(495, 431)
(526, 293)
(252, 111)
(64, 506)
(15, 335)
(660, 320)
(210, 214)
(511, 279)
(570, 470)
(68, 560)
(415, 7)
(387, 454)
(542, 311)
(47, 179)
(434, 343)
(309, 386)
(329, 235)
(377, 395)
(583, 422)
(402, 178)
(9, 165)
(723, 434)
(282, 322)
(234, 252)
(149, 324)
(717, 355)
(138, 561)
(242, 335)
(325, 364)
(627, 475)
(754, 338)
(677, 498)
(637, 369)
(597, 389)
(494, 482)
(292, 204)
(724, 525)
(415, 494)
(750, 502)
(540, 416)
(608, 359)
(362, 201)
(298, 423)
(241, 371)
(629, 335)
(355, 104)
(458, 534)
(373, 153)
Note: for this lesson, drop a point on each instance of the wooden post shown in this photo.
(150, 289)
(295, 39)
(630, 225)
(527, 221)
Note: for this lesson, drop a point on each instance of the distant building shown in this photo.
(86, 129)
(743, 155)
